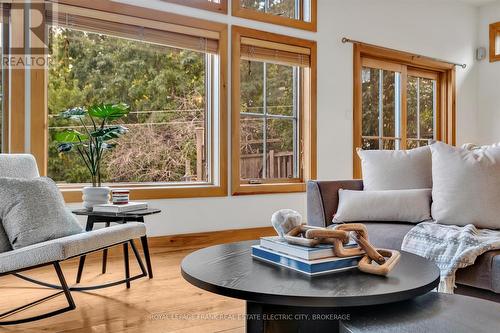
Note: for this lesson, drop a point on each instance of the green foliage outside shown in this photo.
(370, 110)
(285, 8)
(164, 87)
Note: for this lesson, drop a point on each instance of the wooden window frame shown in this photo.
(39, 117)
(407, 63)
(203, 4)
(494, 32)
(4, 128)
(251, 14)
(308, 125)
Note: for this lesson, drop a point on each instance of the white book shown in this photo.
(112, 208)
(308, 253)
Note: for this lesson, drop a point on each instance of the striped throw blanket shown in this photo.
(450, 247)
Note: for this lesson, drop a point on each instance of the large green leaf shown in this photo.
(73, 113)
(109, 111)
(109, 133)
(70, 136)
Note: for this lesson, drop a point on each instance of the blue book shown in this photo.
(277, 244)
(309, 267)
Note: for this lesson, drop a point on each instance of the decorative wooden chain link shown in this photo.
(339, 236)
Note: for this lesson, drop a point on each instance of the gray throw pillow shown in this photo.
(33, 211)
(412, 206)
(4, 240)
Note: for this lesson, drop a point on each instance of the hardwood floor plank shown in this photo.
(117, 309)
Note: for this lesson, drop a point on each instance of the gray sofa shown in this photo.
(480, 280)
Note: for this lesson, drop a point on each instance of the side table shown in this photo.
(108, 218)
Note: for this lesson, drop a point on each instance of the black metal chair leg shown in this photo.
(145, 248)
(127, 268)
(64, 286)
(81, 264)
(65, 290)
(104, 260)
(138, 257)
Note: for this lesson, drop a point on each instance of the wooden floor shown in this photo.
(166, 303)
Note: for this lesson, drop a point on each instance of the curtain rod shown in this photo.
(347, 40)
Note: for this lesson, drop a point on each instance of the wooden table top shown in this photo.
(230, 270)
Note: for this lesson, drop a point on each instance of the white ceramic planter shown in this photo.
(95, 196)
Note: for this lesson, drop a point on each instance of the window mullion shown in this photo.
(264, 145)
(418, 111)
(380, 108)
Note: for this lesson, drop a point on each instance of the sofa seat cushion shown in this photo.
(484, 274)
(387, 235)
(70, 246)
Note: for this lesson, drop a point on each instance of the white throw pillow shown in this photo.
(396, 169)
(466, 185)
(395, 205)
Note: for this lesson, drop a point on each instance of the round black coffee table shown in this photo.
(279, 299)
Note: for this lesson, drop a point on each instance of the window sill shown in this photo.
(251, 189)
(74, 194)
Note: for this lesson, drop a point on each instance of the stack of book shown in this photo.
(310, 261)
(120, 208)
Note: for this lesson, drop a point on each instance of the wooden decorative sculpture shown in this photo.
(309, 236)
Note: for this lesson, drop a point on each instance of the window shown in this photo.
(170, 75)
(495, 42)
(400, 102)
(219, 6)
(273, 112)
(4, 30)
(293, 13)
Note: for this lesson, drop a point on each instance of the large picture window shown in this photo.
(400, 104)
(293, 13)
(170, 76)
(272, 111)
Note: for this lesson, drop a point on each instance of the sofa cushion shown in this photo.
(393, 205)
(387, 235)
(466, 186)
(33, 211)
(484, 274)
(70, 246)
(396, 169)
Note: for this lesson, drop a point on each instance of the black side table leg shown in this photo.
(105, 254)
(81, 263)
(145, 248)
(127, 268)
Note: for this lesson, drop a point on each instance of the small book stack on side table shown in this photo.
(108, 218)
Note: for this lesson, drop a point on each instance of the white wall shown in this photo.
(446, 31)
(489, 80)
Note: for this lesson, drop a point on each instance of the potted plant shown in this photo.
(97, 136)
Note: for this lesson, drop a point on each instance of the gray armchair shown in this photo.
(53, 252)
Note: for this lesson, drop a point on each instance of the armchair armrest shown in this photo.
(323, 199)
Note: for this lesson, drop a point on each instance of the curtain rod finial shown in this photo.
(345, 40)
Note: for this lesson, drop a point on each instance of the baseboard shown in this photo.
(182, 242)
(204, 239)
